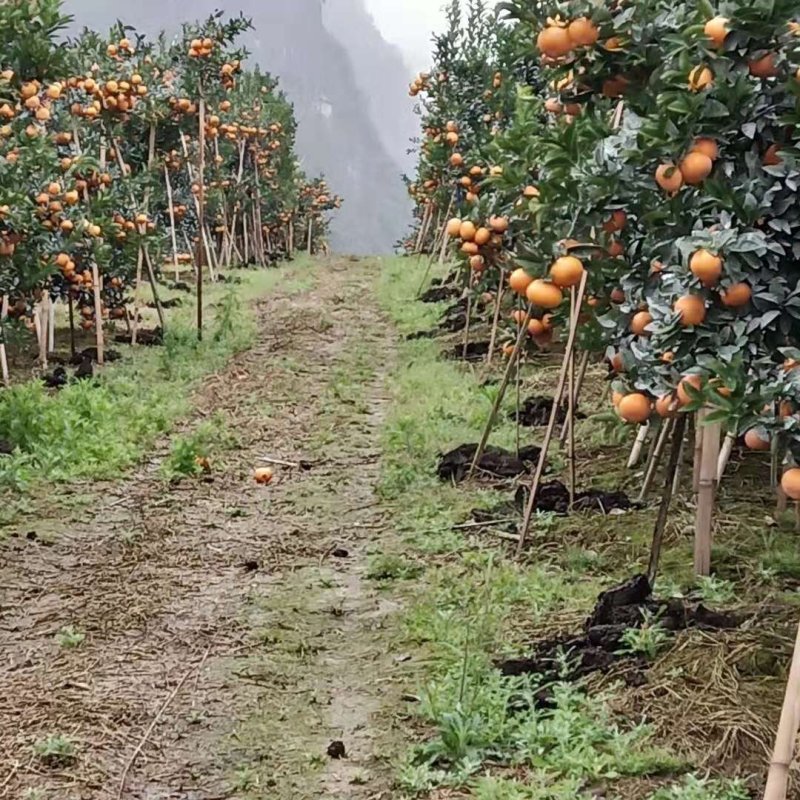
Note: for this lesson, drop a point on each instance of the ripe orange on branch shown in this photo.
(554, 41)
(566, 271)
(736, 296)
(635, 408)
(790, 483)
(583, 32)
(519, 281)
(691, 308)
(706, 267)
(669, 178)
(544, 294)
(696, 167)
(701, 77)
(716, 29)
(640, 322)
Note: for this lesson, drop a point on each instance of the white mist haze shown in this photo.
(409, 24)
(346, 66)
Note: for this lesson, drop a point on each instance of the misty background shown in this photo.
(348, 84)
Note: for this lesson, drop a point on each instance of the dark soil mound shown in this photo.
(553, 497)
(476, 351)
(90, 354)
(439, 292)
(146, 337)
(495, 462)
(629, 605)
(535, 411)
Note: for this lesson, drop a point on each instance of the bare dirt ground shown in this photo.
(228, 642)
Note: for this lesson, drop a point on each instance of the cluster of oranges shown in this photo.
(559, 38)
(201, 48)
(114, 95)
(419, 84)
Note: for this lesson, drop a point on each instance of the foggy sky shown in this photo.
(409, 24)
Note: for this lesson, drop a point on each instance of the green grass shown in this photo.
(481, 732)
(97, 429)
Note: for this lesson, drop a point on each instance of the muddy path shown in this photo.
(231, 633)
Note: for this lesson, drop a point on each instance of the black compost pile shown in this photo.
(601, 644)
(476, 351)
(535, 412)
(553, 498)
(145, 336)
(495, 462)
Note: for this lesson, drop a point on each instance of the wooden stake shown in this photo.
(638, 445)
(501, 391)
(569, 423)
(574, 314)
(678, 432)
(468, 320)
(71, 312)
(172, 229)
(548, 437)
(667, 427)
(422, 225)
(496, 319)
(518, 398)
(37, 326)
(98, 313)
(3, 354)
(783, 754)
(201, 208)
(139, 264)
(698, 453)
(725, 455)
(676, 483)
(709, 435)
(51, 325)
(151, 273)
(310, 232)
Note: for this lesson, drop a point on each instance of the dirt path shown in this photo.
(227, 641)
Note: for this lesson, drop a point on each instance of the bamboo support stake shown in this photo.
(172, 229)
(676, 483)
(725, 455)
(584, 365)
(151, 273)
(548, 437)
(698, 453)
(783, 754)
(71, 316)
(201, 204)
(678, 433)
(667, 426)
(37, 326)
(422, 223)
(501, 391)
(3, 354)
(135, 326)
(468, 320)
(710, 435)
(638, 445)
(496, 320)
(445, 232)
(51, 325)
(310, 232)
(518, 394)
(190, 172)
(574, 312)
(98, 313)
